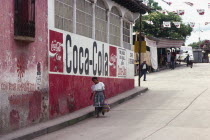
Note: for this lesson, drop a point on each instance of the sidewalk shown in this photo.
(68, 120)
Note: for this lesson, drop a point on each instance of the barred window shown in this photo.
(101, 21)
(115, 25)
(84, 18)
(126, 31)
(24, 19)
(64, 15)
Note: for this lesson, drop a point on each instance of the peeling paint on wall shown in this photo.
(32, 91)
(23, 71)
(70, 96)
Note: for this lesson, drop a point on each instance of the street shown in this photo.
(176, 107)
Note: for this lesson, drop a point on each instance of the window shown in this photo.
(126, 31)
(64, 15)
(84, 18)
(115, 26)
(24, 20)
(101, 21)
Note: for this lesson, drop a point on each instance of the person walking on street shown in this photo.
(144, 69)
(169, 59)
(172, 61)
(99, 97)
(188, 59)
(161, 60)
(165, 60)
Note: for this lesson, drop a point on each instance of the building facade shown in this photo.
(52, 49)
(23, 63)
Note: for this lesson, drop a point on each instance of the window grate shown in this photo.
(101, 21)
(24, 22)
(64, 15)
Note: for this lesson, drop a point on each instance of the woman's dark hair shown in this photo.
(94, 78)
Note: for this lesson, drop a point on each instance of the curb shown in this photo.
(127, 98)
(61, 125)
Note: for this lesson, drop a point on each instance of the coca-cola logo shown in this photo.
(113, 59)
(58, 57)
(86, 60)
(55, 46)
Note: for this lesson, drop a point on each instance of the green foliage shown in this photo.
(157, 29)
(154, 5)
(196, 44)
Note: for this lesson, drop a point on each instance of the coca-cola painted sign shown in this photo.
(72, 54)
(74, 59)
(122, 60)
(85, 58)
(113, 61)
(56, 51)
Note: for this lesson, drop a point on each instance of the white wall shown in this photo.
(109, 4)
(78, 41)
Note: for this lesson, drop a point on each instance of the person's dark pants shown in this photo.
(98, 110)
(172, 64)
(188, 63)
(144, 72)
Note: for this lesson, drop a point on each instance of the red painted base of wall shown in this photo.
(20, 103)
(69, 93)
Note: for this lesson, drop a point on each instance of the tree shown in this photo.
(200, 44)
(157, 29)
(196, 44)
(154, 5)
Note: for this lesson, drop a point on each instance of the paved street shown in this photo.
(176, 107)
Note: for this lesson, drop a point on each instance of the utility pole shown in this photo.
(140, 26)
(199, 47)
(199, 33)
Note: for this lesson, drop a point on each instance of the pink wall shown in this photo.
(21, 102)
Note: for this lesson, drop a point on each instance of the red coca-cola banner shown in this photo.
(113, 61)
(56, 51)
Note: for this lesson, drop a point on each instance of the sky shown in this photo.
(191, 15)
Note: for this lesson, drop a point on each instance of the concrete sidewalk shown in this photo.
(70, 119)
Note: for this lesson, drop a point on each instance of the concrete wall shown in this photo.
(198, 55)
(23, 92)
(51, 76)
(75, 59)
